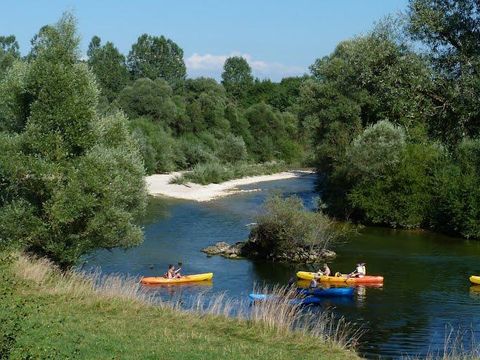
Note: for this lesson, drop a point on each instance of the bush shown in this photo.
(160, 151)
(456, 202)
(286, 225)
(402, 196)
(232, 149)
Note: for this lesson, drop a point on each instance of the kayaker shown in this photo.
(325, 271)
(172, 273)
(360, 271)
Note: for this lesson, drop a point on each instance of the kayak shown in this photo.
(311, 300)
(184, 279)
(343, 279)
(331, 292)
(475, 279)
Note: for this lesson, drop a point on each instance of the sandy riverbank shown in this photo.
(159, 185)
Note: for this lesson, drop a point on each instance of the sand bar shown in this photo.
(159, 185)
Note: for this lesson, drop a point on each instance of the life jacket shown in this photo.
(361, 270)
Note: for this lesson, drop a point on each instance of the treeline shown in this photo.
(396, 116)
(181, 123)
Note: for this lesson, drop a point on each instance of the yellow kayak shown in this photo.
(153, 280)
(343, 279)
(475, 279)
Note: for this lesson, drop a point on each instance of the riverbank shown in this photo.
(47, 314)
(160, 185)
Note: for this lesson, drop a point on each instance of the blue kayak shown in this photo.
(330, 292)
(311, 300)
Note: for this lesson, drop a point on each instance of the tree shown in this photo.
(450, 30)
(71, 182)
(108, 65)
(149, 98)
(157, 57)
(237, 77)
(9, 52)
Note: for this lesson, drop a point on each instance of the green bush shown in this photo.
(284, 225)
(402, 196)
(456, 203)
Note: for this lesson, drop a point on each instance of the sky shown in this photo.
(279, 38)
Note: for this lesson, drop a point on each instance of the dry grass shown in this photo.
(277, 316)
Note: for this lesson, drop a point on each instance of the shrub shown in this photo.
(232, 149)
(456, 202)
(402, 196)
(284, 225)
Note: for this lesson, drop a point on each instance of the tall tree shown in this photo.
(157, 57)
(451, 31)
(108, 65)
(71, 181)
(237, 77)
(9, 52)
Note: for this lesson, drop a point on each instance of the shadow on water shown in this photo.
(426, 285)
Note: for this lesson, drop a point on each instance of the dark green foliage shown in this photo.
(9, 52)
(402, 196)
(160, 151)
(456, 204)
(109, 67)
(157, 57)
(149, 98)
(71, 182)
(237, 77)
(450, 30)
(274, 133)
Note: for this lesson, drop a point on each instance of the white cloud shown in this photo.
(212, 66)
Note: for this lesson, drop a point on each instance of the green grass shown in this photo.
(44, 314)
(215, 172)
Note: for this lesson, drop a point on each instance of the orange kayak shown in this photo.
(152, 280)
(343, 279)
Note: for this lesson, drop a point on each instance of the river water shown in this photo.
(426, 293)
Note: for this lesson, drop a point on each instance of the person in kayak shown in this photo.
(172, 273)
(359, 272)
(324, 271)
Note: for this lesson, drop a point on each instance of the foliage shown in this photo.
(272, 130)
(9, 52)
(149, 98)
(456, 201)
(71, 181)
(449, 29)
(215, 172)
(285, 225)
(160, 151)
(400, 197)
(109, 67)
(237, 77)
(156, 57)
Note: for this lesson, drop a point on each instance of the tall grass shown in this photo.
(277, 315)
(216, 172)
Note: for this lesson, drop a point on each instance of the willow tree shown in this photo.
(71, 182)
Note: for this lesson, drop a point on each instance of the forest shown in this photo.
(390, 119)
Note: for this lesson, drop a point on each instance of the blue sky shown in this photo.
(279, 38)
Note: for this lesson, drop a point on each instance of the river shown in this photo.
(426, 291)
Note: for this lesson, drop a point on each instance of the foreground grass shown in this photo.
(46, 314)
(215, 173)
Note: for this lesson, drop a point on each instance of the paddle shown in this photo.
(179, 267)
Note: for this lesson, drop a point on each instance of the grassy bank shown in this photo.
(47, 314)
(215, 172)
